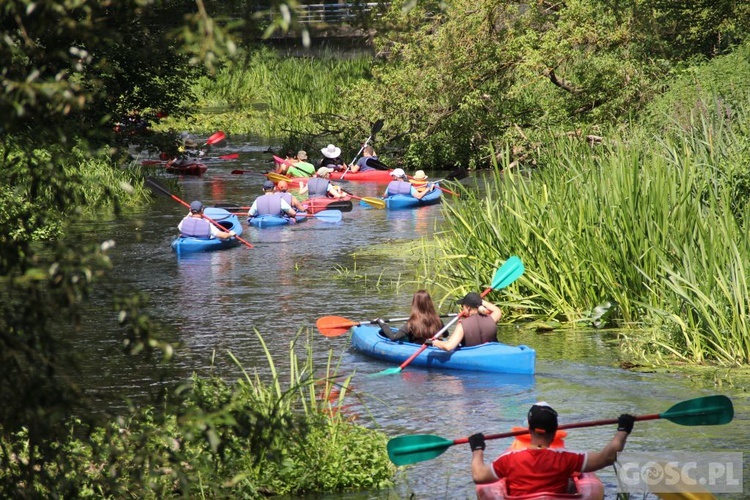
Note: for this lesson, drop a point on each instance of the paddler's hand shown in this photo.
(476, 442)
(625, 423)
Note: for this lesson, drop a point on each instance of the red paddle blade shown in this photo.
(233, 156)
(334, 326)
(217, 137)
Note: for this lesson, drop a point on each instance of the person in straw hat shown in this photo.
(420, 184)
(401, 185)
(332, 158)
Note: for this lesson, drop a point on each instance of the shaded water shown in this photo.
(213, 303)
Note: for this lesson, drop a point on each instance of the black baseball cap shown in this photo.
(471, 299)
(542, 419)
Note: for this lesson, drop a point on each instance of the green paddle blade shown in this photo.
(709, 410)
(405, 450)
(508, 273)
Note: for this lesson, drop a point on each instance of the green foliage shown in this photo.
(472, 75)
(270, 95)
(250, 439)
(659, 227)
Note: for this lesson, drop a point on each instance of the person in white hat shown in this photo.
(401, 185)
(332, 158)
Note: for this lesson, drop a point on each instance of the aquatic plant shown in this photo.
(656, 226)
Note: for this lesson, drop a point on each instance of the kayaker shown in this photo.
(194, 225)
(270, 203)
(538, 468)
(188, 154)
(321, 185)
(301, 168)
(401, 185)
(420, 184)
(478, 324)
(332, 158)
(282, 187)
(286, 163)
(361, 166)
(423, 323)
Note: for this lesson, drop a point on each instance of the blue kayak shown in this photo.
(490, 357)
(275, 220)
(403, 201)
(189, 244)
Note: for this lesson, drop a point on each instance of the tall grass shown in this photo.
(269, 94)
(656, 226)
(258, 437)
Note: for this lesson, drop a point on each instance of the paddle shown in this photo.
(340, 205)
(373, 202)
(374, 130)
(214, 138)
(335, 326)
(325, 215)
(377, 164)
(163, 190)
(233, 156)
(707, 410)
(504, 276)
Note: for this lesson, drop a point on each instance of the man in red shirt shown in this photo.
(540, 468)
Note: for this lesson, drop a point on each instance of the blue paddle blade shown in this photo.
(329, 215)
(508, 273)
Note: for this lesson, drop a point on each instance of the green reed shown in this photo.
(656, 226)
(270, 94)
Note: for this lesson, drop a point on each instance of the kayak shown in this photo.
(189, 244)
(261, 221)
(489, 357)
(405, 201)
(194, 169)
(379, 176)
(315, 205)
(587, 485)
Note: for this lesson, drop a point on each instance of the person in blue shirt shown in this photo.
(401, 185)
(361, 165)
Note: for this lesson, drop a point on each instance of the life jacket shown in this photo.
(195, 227)
(334, 163)
(269, 204)
(478, 329)
(399, 187)
(301, 169)
(420, 186)
(287, 197)
(317, 186)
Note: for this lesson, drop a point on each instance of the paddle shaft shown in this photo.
(178, 200)
(349, 324)
(375, 129)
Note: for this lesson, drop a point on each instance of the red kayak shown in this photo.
(315, 205)
(379, 176)
(194, 169)
(587, 485)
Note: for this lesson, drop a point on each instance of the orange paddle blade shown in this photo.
(334, 326)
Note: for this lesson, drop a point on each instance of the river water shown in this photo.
(212, 304)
